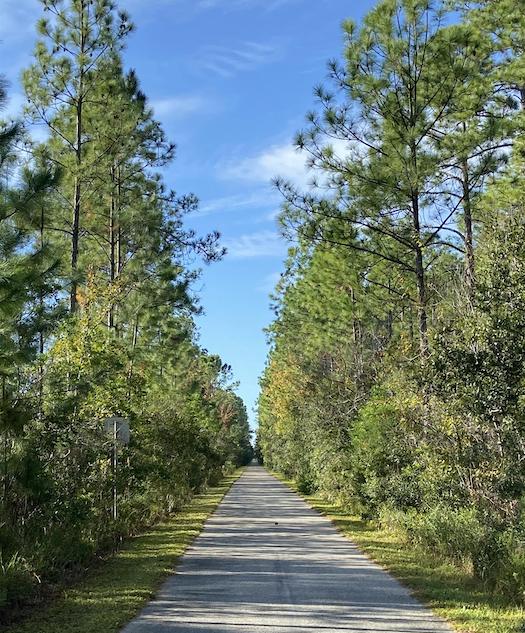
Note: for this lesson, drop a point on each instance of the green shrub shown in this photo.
(395, 521)
(497, 556)
(500, 563)
(17, 583)
(330, 467)
(492, 556)
(385, 464)
(454, 534)
(305, 485)
(512, 578)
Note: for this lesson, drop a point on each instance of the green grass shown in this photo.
(449, 590)
(112, 593)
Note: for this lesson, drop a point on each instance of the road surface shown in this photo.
(267, 563)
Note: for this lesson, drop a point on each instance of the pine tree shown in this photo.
(25, 269)
(473, 136)
(400, 75)
(78, 38)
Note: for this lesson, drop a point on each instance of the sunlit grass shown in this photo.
(114, 592)
(449, 590)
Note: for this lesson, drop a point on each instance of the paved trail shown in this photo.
(267, 563)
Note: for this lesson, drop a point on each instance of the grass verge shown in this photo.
(112, 593)
(449, 591)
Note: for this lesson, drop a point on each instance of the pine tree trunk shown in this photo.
(112, 246)
(5, 451)
(422, 300)
(75, 237)
(420, 280)
(390, 316)
(132, 356)
(74, 245)
(41, 340)
(120, 263)
(355, 321)
(467, 219)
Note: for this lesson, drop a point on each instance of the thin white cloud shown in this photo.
(39, 133)
(14, 105)
(179, 106)
(284, 161)
(18, 19)
(259, 244)
(229, 61)
(224, 5)
(259, 199)
(14, 111)
(269, 282)
(279, 160)
(269, 5)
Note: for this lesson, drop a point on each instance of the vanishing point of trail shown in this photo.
(267, 563)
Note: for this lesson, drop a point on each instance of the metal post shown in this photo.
(117, 429)
(115, 513)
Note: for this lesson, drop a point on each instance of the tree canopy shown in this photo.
(395, 378)
(97, 307)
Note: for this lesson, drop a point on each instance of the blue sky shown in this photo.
(231, 80)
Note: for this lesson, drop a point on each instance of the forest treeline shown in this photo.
(97, 313)
(396, 378)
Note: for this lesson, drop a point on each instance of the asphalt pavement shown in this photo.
(267, 563)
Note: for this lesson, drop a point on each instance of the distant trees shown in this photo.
(96, 313)
(395, 375)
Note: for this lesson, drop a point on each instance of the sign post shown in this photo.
(118, 429)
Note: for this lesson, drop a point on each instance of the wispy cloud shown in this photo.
(14, 105)
(17, 19)
(278, 160)
(259, 199)
(229, 61)
(259, 244)
(179, 106)
(13, 111)
(284, 161)
(225, 5)
(269, 5)
(269, 282)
